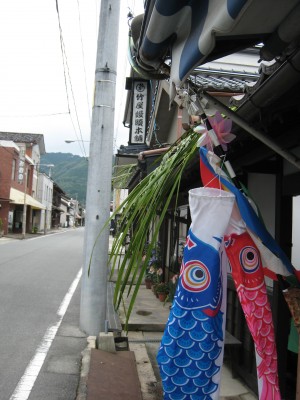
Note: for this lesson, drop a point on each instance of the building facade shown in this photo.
(45, 196)
(188, 77)
(19, 158)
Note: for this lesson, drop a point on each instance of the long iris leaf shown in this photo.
(143, 211)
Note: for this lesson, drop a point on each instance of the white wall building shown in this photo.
(44, 195)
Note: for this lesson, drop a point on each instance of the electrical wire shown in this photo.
(119, 108)
(34, 115)
(83, 63)
(67, 73)
(124, 61)
(62, 52)
(80, 140)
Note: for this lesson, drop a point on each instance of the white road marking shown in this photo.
(26, 383)
(6, 239)
(47, 235)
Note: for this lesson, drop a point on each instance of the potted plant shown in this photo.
(156, 276)
(172, 287)
(153, 271)
(148, 280)
(162, 289)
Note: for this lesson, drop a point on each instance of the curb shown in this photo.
(148, 381)
(85, 366)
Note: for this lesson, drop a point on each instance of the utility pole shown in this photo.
(24, 217)
(94, 286)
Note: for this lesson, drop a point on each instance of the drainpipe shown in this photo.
(153, 152)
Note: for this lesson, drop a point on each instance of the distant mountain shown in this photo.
(69, 172)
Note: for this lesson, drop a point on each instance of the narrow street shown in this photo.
(38, 279)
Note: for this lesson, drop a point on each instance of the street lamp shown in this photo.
(82, 141)
(73, 141)
(24, 217)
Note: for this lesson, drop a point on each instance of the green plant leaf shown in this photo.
(143, 212)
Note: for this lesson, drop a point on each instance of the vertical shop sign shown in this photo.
(21, 170)
(138, 126)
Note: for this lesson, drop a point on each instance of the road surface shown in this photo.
(38, 279)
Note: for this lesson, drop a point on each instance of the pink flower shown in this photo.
(174, 279)
(159, 271)
(222, 127)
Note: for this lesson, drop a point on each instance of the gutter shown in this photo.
(224, 72)
(284, 78)
(224, 94)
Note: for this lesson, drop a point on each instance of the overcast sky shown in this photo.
(32, 85)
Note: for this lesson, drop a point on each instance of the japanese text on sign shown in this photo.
(138, 127)
(21, 169)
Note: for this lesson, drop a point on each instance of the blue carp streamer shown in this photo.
(191, 351)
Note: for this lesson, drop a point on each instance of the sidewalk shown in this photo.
(145, 329)
(146, 326)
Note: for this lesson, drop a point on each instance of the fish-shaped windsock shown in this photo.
(248, 276)
(273, 257)
(191, 352)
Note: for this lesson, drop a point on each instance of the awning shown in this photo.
(191, 32)
(17, 197)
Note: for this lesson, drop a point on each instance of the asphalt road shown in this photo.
(35, 279)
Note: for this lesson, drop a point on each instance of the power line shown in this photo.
(83, 63)
(121, 81)
(34, 115)
(67, 73)
(62, 52)
(74, 102)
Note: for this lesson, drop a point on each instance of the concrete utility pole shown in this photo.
(24, 217)
(94, 286)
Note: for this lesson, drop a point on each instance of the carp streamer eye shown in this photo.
(195, 276)
(249, 259)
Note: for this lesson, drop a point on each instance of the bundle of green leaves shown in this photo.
(145, 209)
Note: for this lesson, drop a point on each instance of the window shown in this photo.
(28, 177)
(13, 169)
